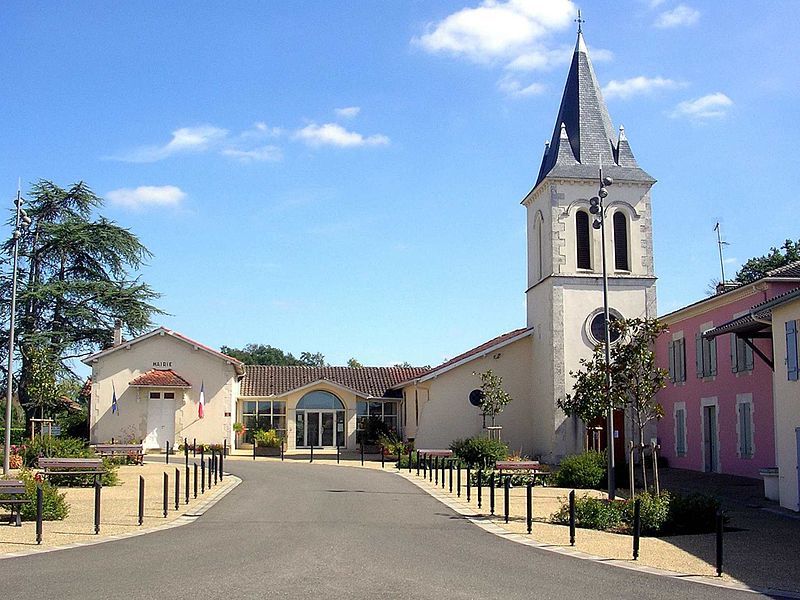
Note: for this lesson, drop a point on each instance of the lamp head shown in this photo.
(596, 224)
(602, 192)
(607, 181)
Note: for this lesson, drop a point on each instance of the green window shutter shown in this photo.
(748, 358)
(682, 359)
(698, 354)
(713, 351)
(791, 350)
(671, 355)
(734, 365)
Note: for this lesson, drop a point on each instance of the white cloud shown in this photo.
(513, 87)
(496, 30)
(681, 15)
(261, 129)
(710, 106)
(333, 134)
(185, 139)
(348, 112)
(641, 85)
(147, 196)
(260, 154)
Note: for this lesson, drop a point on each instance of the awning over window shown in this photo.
(160, 378)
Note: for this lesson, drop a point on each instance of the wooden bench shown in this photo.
(14, 495)
(132, 451)
(72, 466)
(435, 453)
(528, 467)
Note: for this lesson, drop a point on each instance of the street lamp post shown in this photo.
(22, 221)
(597, 208)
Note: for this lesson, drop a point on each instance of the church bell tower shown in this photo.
(564, 292)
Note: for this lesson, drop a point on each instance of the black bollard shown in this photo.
(202, 477)
(383, 458)
(480, 487)
(637, 527)
(417, 463)
(39, 500)
(424, 467)
(177, 489)
(141, 499)
(225, 447)
(203, 453)
(209, 473)
(444, 460)
(362, 453)
(450, 475)
(312, 453)
(281, 449)
(720, 527)
(529, 506)
(221, 458)
(436, 467)
(167, 457)
(187, 486)
(96, 507)
(430, 468)
(215, 461)
(572, 518)
(112, 441)
(186, 451)
(338, 452)
(507, 492)
(254, 450)
(410, 451)
(458, 480)
(469, 485)
(166, 494)
(195, 480)
(194, 447)
(491, 493)
(399, 456)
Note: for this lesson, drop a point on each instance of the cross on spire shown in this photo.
(580, 21)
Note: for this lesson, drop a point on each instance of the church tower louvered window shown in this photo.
(582, 240)
(621, 262)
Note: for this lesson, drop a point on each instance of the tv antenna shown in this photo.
(721, 243)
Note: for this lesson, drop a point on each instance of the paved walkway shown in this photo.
(293, 530)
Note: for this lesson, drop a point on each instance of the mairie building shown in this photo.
(158, 379)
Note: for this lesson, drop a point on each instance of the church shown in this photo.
(163, 386)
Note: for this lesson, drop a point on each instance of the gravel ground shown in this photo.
(118, 509)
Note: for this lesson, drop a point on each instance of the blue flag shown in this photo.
(114, 399)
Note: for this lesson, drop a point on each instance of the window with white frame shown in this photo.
(744, 427)
(676, 350)
(680, 429)
(741, 355)
(706, 356)
(263, 414)
(383, 411)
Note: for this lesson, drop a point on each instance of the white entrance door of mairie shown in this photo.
(160, 420)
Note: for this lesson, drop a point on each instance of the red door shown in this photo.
(599, 425)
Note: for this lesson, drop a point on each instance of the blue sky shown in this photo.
(345, 177)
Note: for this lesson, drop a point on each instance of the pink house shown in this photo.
(718, 403)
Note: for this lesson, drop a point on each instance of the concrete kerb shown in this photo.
(230, 483)
(489, 526)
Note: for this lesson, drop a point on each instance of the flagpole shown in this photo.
(717, 228)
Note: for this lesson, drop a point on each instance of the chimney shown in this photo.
(725, 286)
(117, 332)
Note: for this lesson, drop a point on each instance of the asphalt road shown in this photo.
(311, 531)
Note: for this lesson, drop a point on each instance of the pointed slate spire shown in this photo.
(625, 157)
(583, 137)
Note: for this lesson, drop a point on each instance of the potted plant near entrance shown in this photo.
(267, 442)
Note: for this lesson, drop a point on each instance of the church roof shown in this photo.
(276, 380)
(583, 137)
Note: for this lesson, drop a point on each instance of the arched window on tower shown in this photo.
(621, 262)
(582, 240)
(538, 224)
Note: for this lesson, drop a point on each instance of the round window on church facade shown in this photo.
(597, 329)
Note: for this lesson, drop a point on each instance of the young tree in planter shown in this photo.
(494, 397)
(635, 378)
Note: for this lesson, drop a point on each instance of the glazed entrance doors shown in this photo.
(321, 428)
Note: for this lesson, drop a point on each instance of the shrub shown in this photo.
(269, 438)
(593, 513)
(586, 470)
(374, 428)
(653, 511)
(479, 452)
(691, 513)
(54, 506)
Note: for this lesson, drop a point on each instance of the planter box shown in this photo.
(269, 451)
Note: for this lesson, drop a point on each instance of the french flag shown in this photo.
(201, 408)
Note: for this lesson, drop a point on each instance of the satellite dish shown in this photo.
(475, 397)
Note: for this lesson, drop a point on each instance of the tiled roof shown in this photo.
(790, 270)
(478, 350)
(160, 378)
(588, 137)
(762, 311)
(269, 380)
